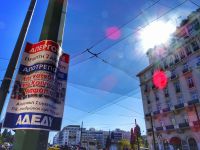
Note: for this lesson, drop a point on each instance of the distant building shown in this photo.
(70, 135)
(90, 139)
(175, 109)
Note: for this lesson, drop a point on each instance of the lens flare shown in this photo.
(156, 33)
(160, 79)
(113, 33)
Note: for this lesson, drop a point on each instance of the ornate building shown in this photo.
(172, 112)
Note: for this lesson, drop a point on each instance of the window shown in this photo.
(149, 109)
(158, 106)
(180, 99)
(156, 96)
(185, 116)
(198, 61)
(171, 61)
(185, 68)
(194, 95)
(162, 123)
(188, 50)
(190, 82)
(194, 26)
(177, 87)
(169, 104)
(173, 74)
(148, 100)
(173, 120)
(182, 53)
(166, 92)
(195, 46)
(176, 58)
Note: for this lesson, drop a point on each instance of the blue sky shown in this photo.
(103, 96)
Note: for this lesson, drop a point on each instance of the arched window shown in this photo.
(192, 144)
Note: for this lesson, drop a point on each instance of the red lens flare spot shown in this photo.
(113, 33)
(160, 79)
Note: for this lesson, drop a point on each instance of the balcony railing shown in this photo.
(159, 128)
(156, 112)
(176, 60)
(183, 125)
(195, 101)
(196, 123)
(189, 52)
(183, 56)
(170, 127)
(179, 106)
(186, 70)
(149, 130)
(173, 76)
(166, 109)
(196, 48)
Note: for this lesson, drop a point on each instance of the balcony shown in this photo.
(156, 112)
(182, 57)
(157, 98)
(148, 115)
(186, 70)
(183, 125)
(170, 127)
(159, 128)
(166, 109)
(195, 101)
(179, 106)
(196, 123)
(166, 66)
(166, 94)
(178, 90)
(173, 76)
(189, 53)
(191, 85)
(149, 130)
(196, 48)
(176, 60)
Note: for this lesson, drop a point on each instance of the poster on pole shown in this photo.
(38, 96)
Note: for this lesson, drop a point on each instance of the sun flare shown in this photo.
(156, 33)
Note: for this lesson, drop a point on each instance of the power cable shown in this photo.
(120, 27)
(194, 3)
(128, 35)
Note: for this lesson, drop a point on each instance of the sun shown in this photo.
(156, 33)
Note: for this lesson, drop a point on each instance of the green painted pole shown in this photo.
(53, 28)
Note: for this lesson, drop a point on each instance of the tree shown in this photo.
(124, 144)
(7, 136)
(108, 142)
(132, 140)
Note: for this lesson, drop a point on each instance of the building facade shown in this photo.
(172, 112)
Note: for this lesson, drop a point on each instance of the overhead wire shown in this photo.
(113, 32)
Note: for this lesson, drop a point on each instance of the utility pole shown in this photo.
(53, 28)
(154, 141)
(81, 134)
(138, 145)
(15, 55)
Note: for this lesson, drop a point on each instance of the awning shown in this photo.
(175, 141)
